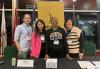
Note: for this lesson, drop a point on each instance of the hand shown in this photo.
(46, 57)
(81, 55)
(70, 58)
(19, 49)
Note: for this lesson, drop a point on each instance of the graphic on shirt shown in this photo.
(55, 36)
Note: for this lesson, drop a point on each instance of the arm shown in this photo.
(81, 55)
(47, 42)
(65, 42)
(47, 45)
(17, 37)
(82, 40)
(17, 45)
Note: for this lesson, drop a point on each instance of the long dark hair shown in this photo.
(36, 27)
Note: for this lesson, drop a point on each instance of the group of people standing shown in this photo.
(55, 42)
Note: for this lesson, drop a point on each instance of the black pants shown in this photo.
(42, 52)
(76, 55)
(57, 52)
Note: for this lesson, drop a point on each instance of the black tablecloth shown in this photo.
(63, 63)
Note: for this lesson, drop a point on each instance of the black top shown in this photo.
(43, 45)
(56, 43)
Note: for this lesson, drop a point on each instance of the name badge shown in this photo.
(25, 63)
(42, 37)
(56, 42)
(69, 42)
(28, 38)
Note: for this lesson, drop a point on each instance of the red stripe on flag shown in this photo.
(16, 22)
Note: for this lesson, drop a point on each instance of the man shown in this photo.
(22, 37)
(55, 41)
(74, 39)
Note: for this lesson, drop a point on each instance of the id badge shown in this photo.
(28, 38)
(69, 42)
(42, 37)
(56, 42)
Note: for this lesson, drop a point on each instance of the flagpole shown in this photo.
(74, 17)
(14, 6)
(34, 16)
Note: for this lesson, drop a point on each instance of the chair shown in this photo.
(89, 49)
(10, 52)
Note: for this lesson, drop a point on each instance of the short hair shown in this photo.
(67, 20)
(26, 14)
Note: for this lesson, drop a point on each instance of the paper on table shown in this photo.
(51, 60)
(85, 64)
(51, 63)
(97, 63)
(96, 66)
(25, 63)
(93, 67)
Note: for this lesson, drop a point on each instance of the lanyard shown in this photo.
(28, 31)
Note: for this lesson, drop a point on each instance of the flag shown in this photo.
(16, 22)
(3, 32)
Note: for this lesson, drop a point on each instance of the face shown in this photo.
(27, 19)
(54, 22)
(69, 24)
(40, 25)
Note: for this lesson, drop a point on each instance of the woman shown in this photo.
(38, 40)
(75, 40)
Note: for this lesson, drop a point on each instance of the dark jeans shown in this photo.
(74, 55)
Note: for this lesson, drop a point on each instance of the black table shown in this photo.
(63, 63)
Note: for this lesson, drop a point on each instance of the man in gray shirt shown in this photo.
(22, 37)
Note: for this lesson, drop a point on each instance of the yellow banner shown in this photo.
(51, 8)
